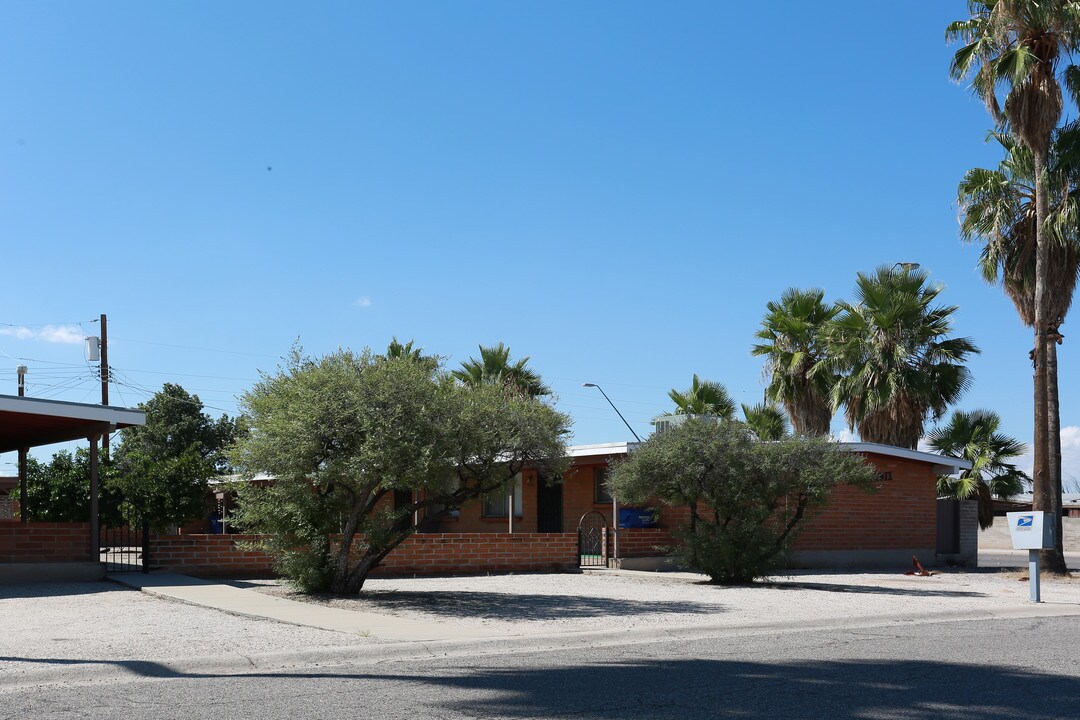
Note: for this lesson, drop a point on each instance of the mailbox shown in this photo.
(1031, 530)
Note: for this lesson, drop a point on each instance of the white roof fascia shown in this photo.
(70, 410)
(236, 477)
(942, 464)
(600, 450)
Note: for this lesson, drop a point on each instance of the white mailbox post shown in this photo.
(1032, 531)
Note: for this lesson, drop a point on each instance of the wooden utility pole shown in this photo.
(22, 455)
(104, 380)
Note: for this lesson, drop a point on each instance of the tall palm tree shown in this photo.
(495, 367)
(767, 421)
(1017, 47)
(792, 343)
(896, 363)
(975, 436)
(997, 208)
(704, 397)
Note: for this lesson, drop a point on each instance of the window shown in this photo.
(495, 503)
(600, 490)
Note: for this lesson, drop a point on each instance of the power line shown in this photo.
(192, 347)
(30, 325)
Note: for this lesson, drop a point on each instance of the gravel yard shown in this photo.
(65, 623)
(69, 625)
(553, 603)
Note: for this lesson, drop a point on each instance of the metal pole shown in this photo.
(95, 530)
(23, 503)
(615, 530)
(510, 510)
(1033, 574)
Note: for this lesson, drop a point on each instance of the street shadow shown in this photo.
(58, 589)
(920, 591)
(506, 606)
(686, 688)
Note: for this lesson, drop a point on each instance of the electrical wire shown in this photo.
(192, 347)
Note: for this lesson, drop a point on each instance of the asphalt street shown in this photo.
(1026, 668)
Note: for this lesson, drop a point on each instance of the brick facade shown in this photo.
(901, 515)
(44, 542)
(865, 528)
(420, 554)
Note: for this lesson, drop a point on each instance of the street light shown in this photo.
(612, 407)
(614, 500)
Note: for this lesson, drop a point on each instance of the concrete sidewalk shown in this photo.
(250, 603)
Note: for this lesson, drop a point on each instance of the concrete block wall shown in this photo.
(969, 533)
(44, 542)
(996, 537)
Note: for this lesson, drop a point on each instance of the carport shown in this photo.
(32, 422)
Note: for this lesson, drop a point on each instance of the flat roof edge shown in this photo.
(74, 411)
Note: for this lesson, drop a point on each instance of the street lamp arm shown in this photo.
(613, 408)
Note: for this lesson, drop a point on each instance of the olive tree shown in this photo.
(342, 434)
(746, 498)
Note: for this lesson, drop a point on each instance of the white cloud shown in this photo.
(362, 302)
(1070, 459)
(62, 334)
(846, 435)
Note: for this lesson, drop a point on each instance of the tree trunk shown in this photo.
(1042, 484)
(1054, 456)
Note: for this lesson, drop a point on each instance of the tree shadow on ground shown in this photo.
(506, 606)
(681, 689)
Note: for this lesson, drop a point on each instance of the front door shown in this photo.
(548, 506)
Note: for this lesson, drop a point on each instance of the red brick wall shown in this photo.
(482, 552)
(902, 514)
(44, 542)
(428, 553)
(643, 542)
(207, 555)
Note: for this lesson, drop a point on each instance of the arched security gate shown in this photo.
(592, 540)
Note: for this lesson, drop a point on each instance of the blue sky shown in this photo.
(613, 189)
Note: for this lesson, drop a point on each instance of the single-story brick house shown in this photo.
(884, 529)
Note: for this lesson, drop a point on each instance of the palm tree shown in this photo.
(793, 345)
(896, 364)
(1017, 46)
(975, 436)
(494, 367)
(997, 208)
(766, 420)
(396, 350)
(704, 397)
